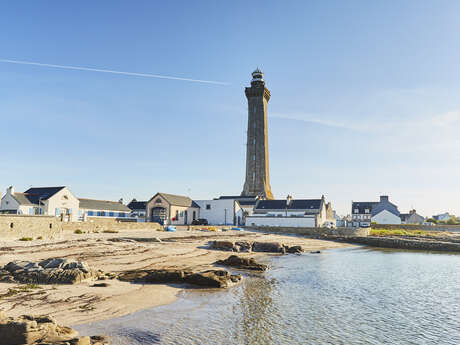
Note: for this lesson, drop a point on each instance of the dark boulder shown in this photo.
(268, 247)
(243, 263)
(223, 245)
(294, 249)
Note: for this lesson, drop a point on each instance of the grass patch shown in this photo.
(110, 231)
(40, 238)
(78, 231)
(401, 232)
(18, 289)
(26, 239)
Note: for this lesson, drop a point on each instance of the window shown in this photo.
(121, 215)
(56, 212)
(158, 201)
(366, 210)
(103, 213)
(98, 213)
(208, 206)
(254, 157)
(90, 213)
(254, 141)
(356, 210)
(177, 215)
(31, 211)
(110, 214)
(255, 108)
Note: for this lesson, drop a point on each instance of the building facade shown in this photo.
(225, 210)
(50, 201)
(257, 182)
(172, 209)
(91, 208)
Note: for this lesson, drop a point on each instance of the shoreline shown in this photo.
(126, 250)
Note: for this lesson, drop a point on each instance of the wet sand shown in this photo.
(118, 252)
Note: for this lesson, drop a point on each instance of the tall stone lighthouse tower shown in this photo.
(257, 172)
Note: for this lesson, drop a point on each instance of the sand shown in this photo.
(117, 252)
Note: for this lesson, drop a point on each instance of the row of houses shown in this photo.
(382, 212)
(169, 208)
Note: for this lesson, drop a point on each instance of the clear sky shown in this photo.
(365, 98)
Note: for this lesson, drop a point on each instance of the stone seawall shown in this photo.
(453, 228)
(403, 243)
(313, 232)
(97, 224)
(14, 227)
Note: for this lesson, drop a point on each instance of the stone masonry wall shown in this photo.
(14, 227)
(99, 224)
(314, 232)
(417, 227)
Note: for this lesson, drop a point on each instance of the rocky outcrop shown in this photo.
(210, 278)
(49, 271)
(268, 247)
(41, 330)
(242, 263)
(245, 246)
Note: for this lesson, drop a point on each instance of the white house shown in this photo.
(51, 201)
(412, 218)
(226, 210)
(444, 217)
(292, 213)
(102, 209)
(385, 212)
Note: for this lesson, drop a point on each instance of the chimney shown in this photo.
(412, 211)
(288, 200)
(10, 190)
(384, 198)
(120, 201)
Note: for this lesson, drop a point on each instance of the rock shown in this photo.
(315, 252)
(210, 278)
(223, 245)
(269, 247)
(100, 285)
(243, 263)
(156, 239)
(41, 330)
(294, 249)
(50, 271)
(243, 246)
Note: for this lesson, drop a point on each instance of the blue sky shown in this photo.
(365, 98)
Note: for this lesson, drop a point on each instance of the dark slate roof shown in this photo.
(178, 200)
(385, 205)
(22, 199)
(41, 193)
(237, 197)
(362, 206)
(103, 205)
(137, 205)
(296, 204)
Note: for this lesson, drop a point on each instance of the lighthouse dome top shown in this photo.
(257, 75)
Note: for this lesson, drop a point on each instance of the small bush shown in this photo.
(78, 231)
(40, 238)
(110, 231)
(26, 239)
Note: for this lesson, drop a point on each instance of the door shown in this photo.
(185, 217)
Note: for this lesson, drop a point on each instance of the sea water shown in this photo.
(341, 296)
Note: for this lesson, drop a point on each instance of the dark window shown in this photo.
(90, 213)
(11, 225)
(158, 201)
(111, 214)
(51, 226)
(98, 213)
(121, 215)
(177, 215)
(208, 206)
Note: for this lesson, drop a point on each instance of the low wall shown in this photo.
(290, 222)
(313, 232)
(454, 228)
(14, 227)
(404, 243)
(98, 224)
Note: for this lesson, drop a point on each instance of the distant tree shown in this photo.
(432, 220)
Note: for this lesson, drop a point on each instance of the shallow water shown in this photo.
(341, 296)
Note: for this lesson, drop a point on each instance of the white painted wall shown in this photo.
(386, 217)
(307, 221)
(219, 208)
(9, 203)
(64, 199)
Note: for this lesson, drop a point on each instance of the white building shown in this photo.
(50, 201)
(292, 213)
(385, 212)
(226, 210)
(102, 209)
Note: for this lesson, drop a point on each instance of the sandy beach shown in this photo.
(118, 252)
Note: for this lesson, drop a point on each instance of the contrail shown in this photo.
(147, 75)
